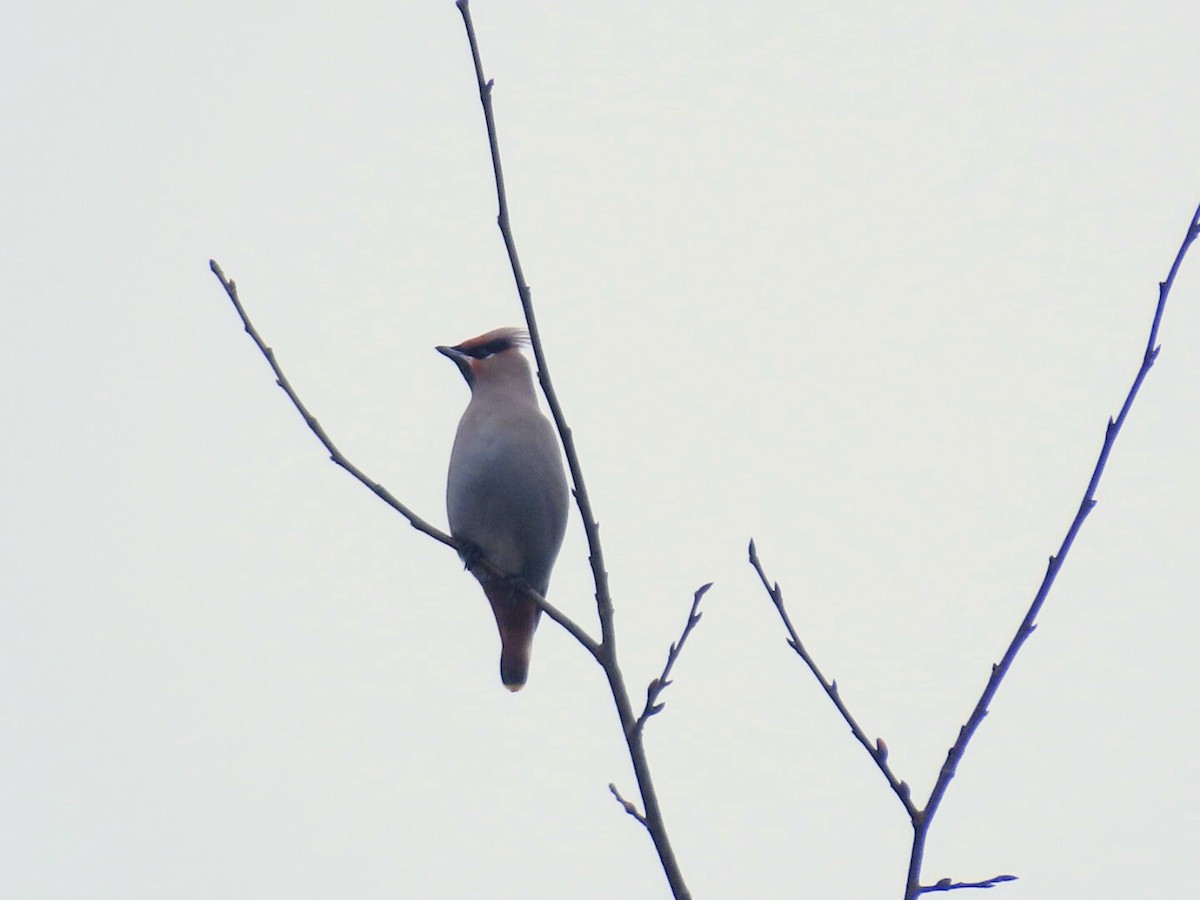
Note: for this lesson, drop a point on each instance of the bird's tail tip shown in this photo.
(514, 673)
(517, 620)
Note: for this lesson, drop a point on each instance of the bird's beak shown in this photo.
(460, 359)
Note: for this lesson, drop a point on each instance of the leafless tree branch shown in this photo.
(922, 818)
(947, 885)
(375, 487)
(878, 749)
(662, 682)
(310, 420)
(1028, 624)
(604, 650)
(627, 806)
(653, 817)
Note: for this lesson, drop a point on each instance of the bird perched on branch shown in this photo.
(506, 493)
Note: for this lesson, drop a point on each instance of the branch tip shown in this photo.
(878, 749)
(947, 884)
(626, 805)
(663, 681)
(1028, 623)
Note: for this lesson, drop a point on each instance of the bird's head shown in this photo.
(491, 357)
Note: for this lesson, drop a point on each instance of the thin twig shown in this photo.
(1028, 624)
(310, 420)
(922, 818)
(877, 750)
(662, 682)
(627, 806)
(947, 885)
(653, 818)
(376, 488)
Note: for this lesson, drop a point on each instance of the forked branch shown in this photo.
(603, 650)
(922, 818)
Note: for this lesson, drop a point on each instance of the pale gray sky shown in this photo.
(861, 280)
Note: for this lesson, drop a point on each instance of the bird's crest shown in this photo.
(496, 341)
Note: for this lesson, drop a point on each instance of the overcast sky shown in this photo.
(863, 281)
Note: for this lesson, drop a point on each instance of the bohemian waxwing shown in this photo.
(506, 493)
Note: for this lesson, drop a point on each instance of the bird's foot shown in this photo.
(470, 554)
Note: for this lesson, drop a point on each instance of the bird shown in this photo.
(506, 491)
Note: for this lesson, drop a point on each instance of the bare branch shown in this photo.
(627, 806)
(947, 885)
(334, 453)
(582, 499)
(662, 682)
(922, 818)
(1029, 623)
(588, 642)
(877, 750)
(607, 656)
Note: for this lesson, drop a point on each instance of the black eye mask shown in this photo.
(483, 351)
